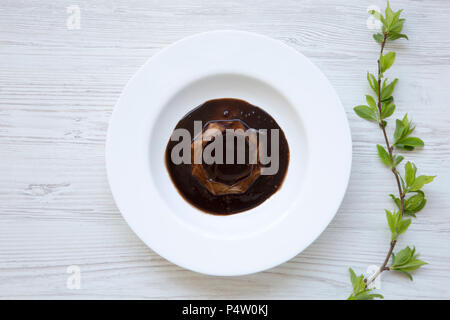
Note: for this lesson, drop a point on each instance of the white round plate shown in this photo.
(266, 73)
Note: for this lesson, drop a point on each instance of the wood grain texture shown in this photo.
(58, 88)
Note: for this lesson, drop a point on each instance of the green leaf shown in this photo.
(405, 273)
(420, 181)
(409, 143)
(414, 184)
(397, 224)
(394, 36)
(392, 24)
(412, 265)
(389, 16)
(372, 82)
(397, 201)
(353, 278)
(403, 225)
(378, 37)
(410, 173)
(357, 282)
(415, 203)
(387, 110)
(387, 90)
(365, 112)
(388, 100)
(402, 257)
(407, 125)
(406, 261)
(384, 155)
(397, 160)
(360, 292)
(371, 102)
(387, 61)
(402, 182)
(367, 296)
(397, 26)
(392, 20)
(400, 131)
(391, 221)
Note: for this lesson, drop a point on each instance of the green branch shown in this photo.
(379, 109)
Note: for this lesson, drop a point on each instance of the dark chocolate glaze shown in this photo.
(195, 192)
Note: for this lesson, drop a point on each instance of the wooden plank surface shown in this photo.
(58, 88)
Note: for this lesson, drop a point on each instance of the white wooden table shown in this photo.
(58, 87)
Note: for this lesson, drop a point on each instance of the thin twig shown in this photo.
(394, 170)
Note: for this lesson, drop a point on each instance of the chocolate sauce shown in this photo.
(223, 188)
